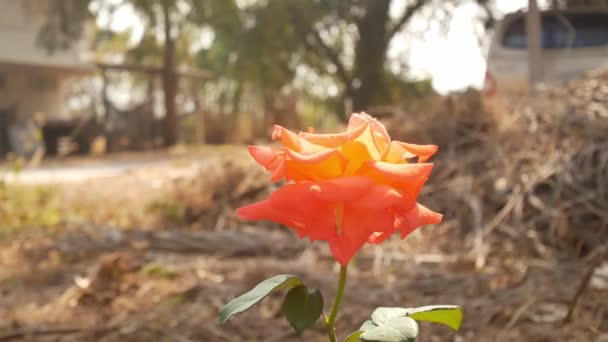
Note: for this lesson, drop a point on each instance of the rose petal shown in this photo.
(294, 142)
(350, 188)
(271, 159)
(288, 138)
(424, 152)
(343, 189)
(263, 155)
(357, 227)
(381, 196)
(334, 140)
(408, 178)
(316, 166)
(417, 216)
(407, 222)
(379, 132)
(398, 152)
(356, 153)
(295, 206)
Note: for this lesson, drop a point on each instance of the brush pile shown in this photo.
(535, 172)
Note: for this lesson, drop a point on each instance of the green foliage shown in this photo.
(382, 315)
(64, 22)
(174, 300)
(22, 207)
(255, 295)
(399, 324)
(302, 307)
(399, 329)
(402, 91)
(258, 46)
(253, 51)
(172, 211)
(354, 337)
(344, 43)
(160, 271)
(16, 163)
(449, 315)
(367, 325)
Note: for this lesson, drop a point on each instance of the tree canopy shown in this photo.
(270, 44)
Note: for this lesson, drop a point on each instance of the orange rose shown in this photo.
(348, 188)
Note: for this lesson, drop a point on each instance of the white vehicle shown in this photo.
(573, 42)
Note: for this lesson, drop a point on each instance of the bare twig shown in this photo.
(27, 333)
(595, 259)
(515, 318)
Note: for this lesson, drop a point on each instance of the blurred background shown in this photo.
(123, 126)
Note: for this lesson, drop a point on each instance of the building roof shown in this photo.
(18, 42)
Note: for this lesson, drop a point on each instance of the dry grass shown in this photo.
(523, 192)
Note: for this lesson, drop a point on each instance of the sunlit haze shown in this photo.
(454, 61)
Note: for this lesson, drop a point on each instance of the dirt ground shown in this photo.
(165, 279)
(152, 253)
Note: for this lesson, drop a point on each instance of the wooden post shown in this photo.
(104, 96)
(169, 78)
(534, 32)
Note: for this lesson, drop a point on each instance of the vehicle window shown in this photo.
(589, 30)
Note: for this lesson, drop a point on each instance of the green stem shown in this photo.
(330, 323)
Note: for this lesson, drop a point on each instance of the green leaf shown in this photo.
(450, 315)
(354, 337)
(367, 325)
(302, 307)
(263, 289)
(383, 315)
(400, 329)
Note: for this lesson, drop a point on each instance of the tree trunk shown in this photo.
(370, 55)
(236, 99)
(169, 79)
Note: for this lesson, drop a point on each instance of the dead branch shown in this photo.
(595, 259)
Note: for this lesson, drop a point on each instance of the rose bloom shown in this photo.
(347, 188)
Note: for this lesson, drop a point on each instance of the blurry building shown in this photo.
(34, 83)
